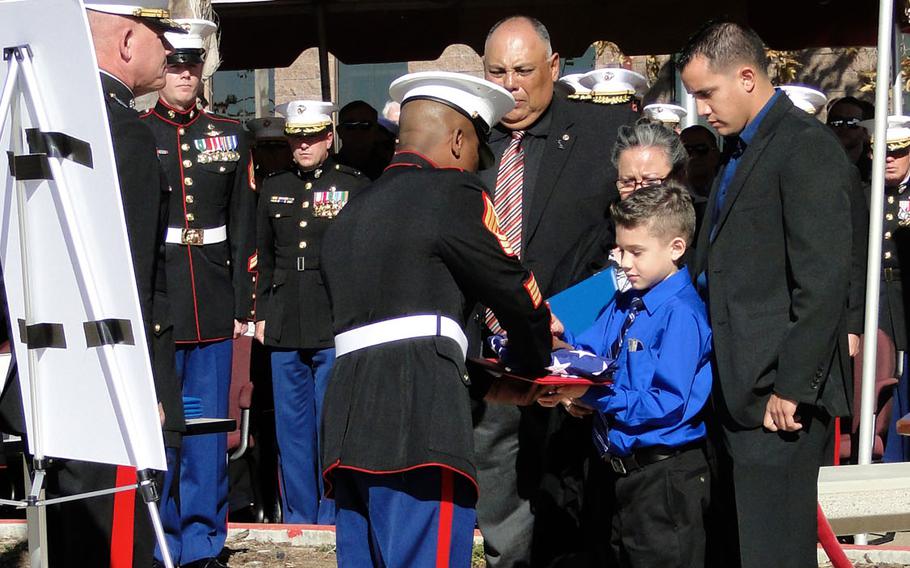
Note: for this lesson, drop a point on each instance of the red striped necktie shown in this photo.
(507, 202)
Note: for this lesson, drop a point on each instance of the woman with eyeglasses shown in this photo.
(645, 153)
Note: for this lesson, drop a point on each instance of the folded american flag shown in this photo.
(563, 362)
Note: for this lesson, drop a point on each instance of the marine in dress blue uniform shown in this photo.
(404, 264)
(294, 320)
(209, 244)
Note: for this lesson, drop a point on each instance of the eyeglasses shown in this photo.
(359, 125)
(631, 184)
(844, 122)
(698, 149)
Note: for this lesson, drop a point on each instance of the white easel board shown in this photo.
(80, 415)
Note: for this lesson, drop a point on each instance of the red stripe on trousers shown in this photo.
(444, 540)
(124, 516)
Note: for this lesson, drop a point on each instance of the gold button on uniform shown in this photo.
(303, 244)
(181, 131)
(221, 169)
(887, 255)
(188, 181)
(306, 204)
(190, 199)
(887, 234)
(190, 217)
(187, 163)
(185, 147)
(302, 224)
(157, 327)
(889, 217)
(309, 185)
(890, 199)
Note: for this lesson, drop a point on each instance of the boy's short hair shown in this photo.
(666, 207)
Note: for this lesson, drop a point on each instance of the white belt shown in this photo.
(178, 236)
(407, 327)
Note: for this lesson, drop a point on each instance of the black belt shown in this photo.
(644, 457)
(891, 274)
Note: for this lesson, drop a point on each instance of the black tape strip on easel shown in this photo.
(59, 145)
(29, 166)
(42, 335)
(108, 332)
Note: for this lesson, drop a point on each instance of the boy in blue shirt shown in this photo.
(648, 424)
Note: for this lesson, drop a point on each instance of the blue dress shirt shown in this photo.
(662, 383)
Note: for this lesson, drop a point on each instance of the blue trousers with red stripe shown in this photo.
(194, 514)
(413, 519)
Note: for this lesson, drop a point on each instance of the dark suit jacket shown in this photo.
(576, 182)
(778, 270)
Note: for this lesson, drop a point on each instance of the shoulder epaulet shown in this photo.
(348, 170)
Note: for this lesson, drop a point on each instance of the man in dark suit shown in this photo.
(773, 262)
(564, 187)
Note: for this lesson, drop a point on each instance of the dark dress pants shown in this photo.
(775, 482)
(657, 514)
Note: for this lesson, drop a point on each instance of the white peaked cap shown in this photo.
(898, 135)
(805, 98)
(574, 81)
(615, 81)
(154, 12)
(197, 30)
(306, 117)
(474, 97)
(666, 113)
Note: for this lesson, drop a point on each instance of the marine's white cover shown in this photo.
(86, 412)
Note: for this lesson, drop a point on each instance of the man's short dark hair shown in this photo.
(666, 209)
(725, 44)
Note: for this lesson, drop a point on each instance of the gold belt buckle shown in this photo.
(191, 236)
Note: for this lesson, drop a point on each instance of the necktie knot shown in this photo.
(636, 304)
(517, 135)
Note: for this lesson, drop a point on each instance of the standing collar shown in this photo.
(317, 172)
(410, 159)
(175, 115)
(751, 129)
(116, 89)
(658, 294)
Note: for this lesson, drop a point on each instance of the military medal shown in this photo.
(328, 204)
(216, 149)
(903, 212)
